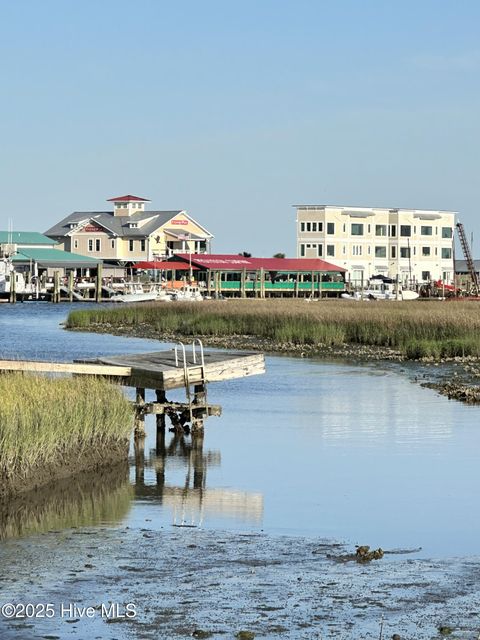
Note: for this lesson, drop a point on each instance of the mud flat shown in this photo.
(193, 583)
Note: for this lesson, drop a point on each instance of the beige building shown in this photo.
(414, 244)
(130, 232)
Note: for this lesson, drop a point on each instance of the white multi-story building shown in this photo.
(414, 244)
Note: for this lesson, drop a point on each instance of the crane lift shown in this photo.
(469, 260)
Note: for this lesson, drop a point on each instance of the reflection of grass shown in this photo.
(43, 419)
(83, 500)
(417, 329)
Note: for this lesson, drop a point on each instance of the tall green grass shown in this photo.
(42, 418)
(416, 329)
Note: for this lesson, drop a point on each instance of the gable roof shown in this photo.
(232, 262)
(128, 198)
(24, 237)
(118, 225)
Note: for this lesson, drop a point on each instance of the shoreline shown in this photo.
(457, 378)
(96, 457)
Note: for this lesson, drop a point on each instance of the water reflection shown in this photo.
(83, 500)
(190, 502)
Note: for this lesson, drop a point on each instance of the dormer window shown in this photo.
(72, 225)
(133, 225)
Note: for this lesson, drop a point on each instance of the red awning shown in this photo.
(163, 265)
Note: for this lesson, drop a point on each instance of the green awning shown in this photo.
(54, 258)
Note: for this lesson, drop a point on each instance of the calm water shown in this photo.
(356, 453)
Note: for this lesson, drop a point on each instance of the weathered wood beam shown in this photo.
(66, 367)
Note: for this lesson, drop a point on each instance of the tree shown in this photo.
(245, 254)
(279, 255)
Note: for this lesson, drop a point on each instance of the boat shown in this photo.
(134, 292)
(188, 293)
(22, 289)
(381, 288)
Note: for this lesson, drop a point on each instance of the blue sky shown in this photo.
(237, 110)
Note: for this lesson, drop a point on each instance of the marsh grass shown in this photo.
(41, 419)
(416, 329)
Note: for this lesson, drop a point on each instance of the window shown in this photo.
(380, 252)
(112, 243)
(133, 225)
(142, 245)
(393, 230)
(330, 228)
(357, 249)
(302, 250)
(302, 227)
(380, 229)
(344, 228)
(446, 232)
(98, 244)
(90, 244)
(394, 252)
(314, 227)
(131, 245)
(404, 252)
(425, 275)
(75, 244)
(344, 250)
(320, 250)
(446, 253)
(405, 230)
(330, 249)
(357, 229)
(425, 252)
(320, 226)
(426, 231)
(309, 246)
(309, 226)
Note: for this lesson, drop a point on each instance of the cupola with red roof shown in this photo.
(127, 205)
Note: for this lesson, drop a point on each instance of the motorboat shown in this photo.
(134, 292)
(188, 293)
(381, 289)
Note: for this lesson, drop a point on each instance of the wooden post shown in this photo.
(209, 284)
(98, 283)
(70, 286)
(56, 287)
(313, 284)
(262, 282)
(13, 287)
(243, 283)
(139, 448)
(139, 421)
(199, 401)
(296, 285)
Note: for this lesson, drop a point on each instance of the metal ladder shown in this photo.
(188, 369)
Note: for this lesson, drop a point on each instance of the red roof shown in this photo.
(232, 262)
(163, 265)
(128, 199)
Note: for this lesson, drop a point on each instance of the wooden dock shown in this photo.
(188, 367)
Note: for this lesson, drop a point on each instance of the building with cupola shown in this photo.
(130, 232)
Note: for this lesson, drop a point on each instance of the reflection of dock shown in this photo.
(193, 501)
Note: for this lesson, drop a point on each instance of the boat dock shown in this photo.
(188, 367)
